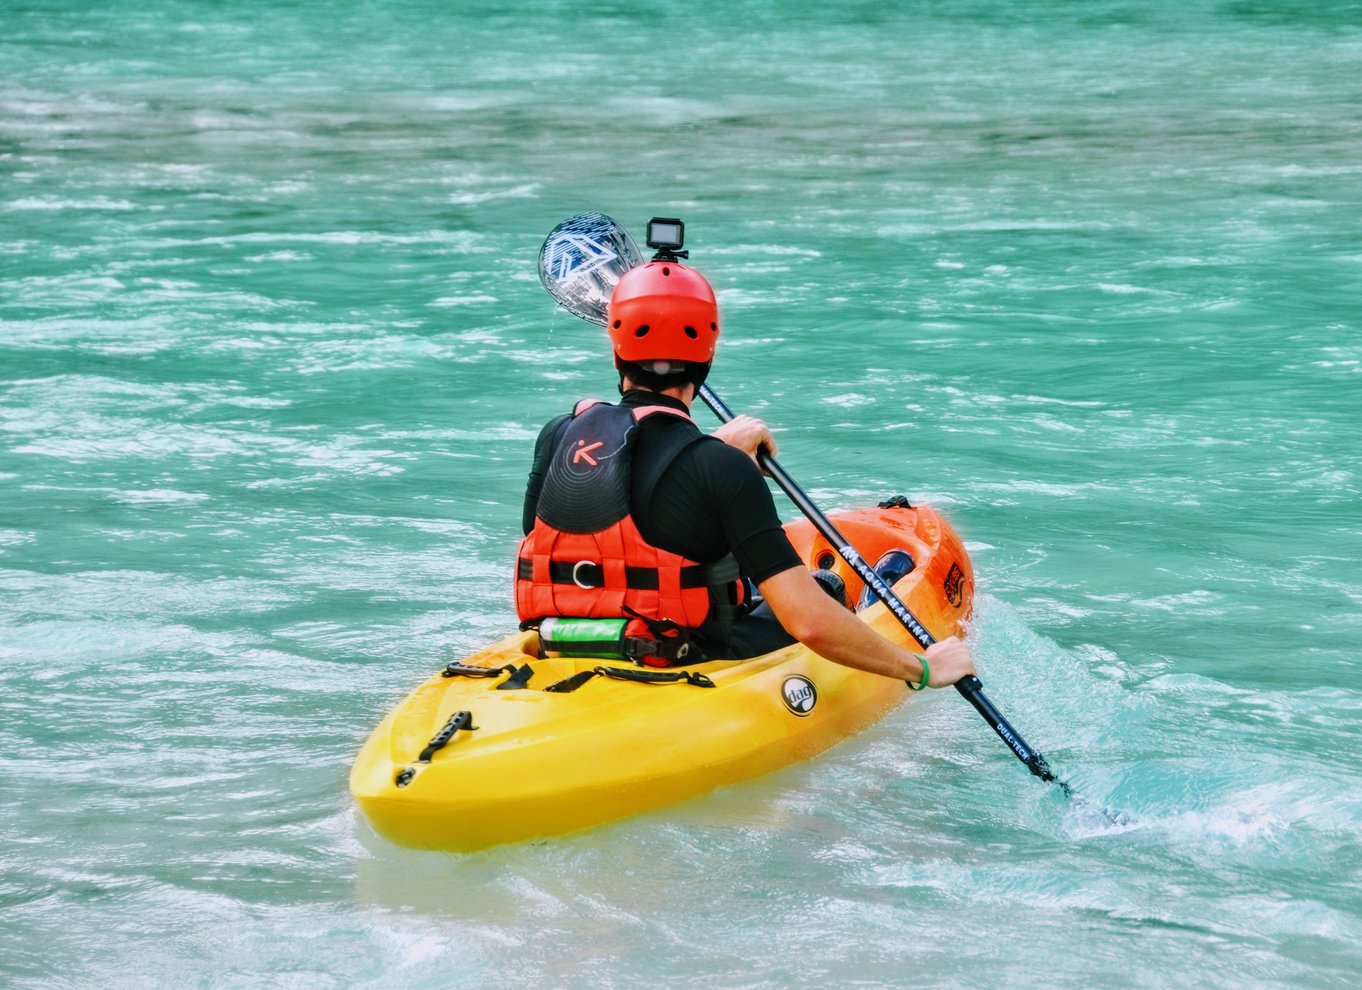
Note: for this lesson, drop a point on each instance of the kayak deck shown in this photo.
(543, 747)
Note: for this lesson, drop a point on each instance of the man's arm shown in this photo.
(824, 626)
(810, 616)
(543, 451)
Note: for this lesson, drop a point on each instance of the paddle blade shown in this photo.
(582, 259)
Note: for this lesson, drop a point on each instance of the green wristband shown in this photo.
(926, 674)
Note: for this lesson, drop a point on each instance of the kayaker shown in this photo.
(631, 511)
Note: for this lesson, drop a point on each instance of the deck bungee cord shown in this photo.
(579, 264)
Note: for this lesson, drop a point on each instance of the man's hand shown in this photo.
(748, 434)
(950, 660)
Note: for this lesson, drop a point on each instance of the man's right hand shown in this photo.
(748, 434)
(949, 660)
(813, 618)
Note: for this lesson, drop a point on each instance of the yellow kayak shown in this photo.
(506, 746)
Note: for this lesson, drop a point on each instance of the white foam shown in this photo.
(849, 400)
(159, 496)
(55, 204)
(480, 299)
(527, 191)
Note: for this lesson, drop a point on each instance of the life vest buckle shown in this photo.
(577, 577)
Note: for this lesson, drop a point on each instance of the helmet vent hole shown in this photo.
(714, 328)
(642, 331)
(692, 333)
(617, 324)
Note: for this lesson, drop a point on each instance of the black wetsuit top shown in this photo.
(712, 501)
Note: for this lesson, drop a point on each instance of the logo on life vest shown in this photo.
(799, 694)
(954, 584)
(583, 452)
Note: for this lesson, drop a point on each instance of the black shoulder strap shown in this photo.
(670, 445)
(722, 575)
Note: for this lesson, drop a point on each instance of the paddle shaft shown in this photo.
(969, 685)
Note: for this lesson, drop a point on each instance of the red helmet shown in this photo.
(663, 311)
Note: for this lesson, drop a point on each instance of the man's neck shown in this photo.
(683, 393)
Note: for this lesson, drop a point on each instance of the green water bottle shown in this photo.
(600, 638)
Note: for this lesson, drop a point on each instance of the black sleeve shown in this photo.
(751, 527)
(543, 451)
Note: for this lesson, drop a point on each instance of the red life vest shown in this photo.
(585, 556)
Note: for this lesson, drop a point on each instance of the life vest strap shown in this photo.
(725, 570)
(588, 574)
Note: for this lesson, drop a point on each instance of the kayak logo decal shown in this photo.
(573, 255)
(954, 585)
(583, 452)
(799, 694)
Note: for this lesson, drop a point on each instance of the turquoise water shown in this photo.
(273, 353)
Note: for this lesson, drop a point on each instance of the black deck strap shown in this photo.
(666, 449)
(570, 684)
(518, 680)
(459, 720)
(456, 669)
(655, 676)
